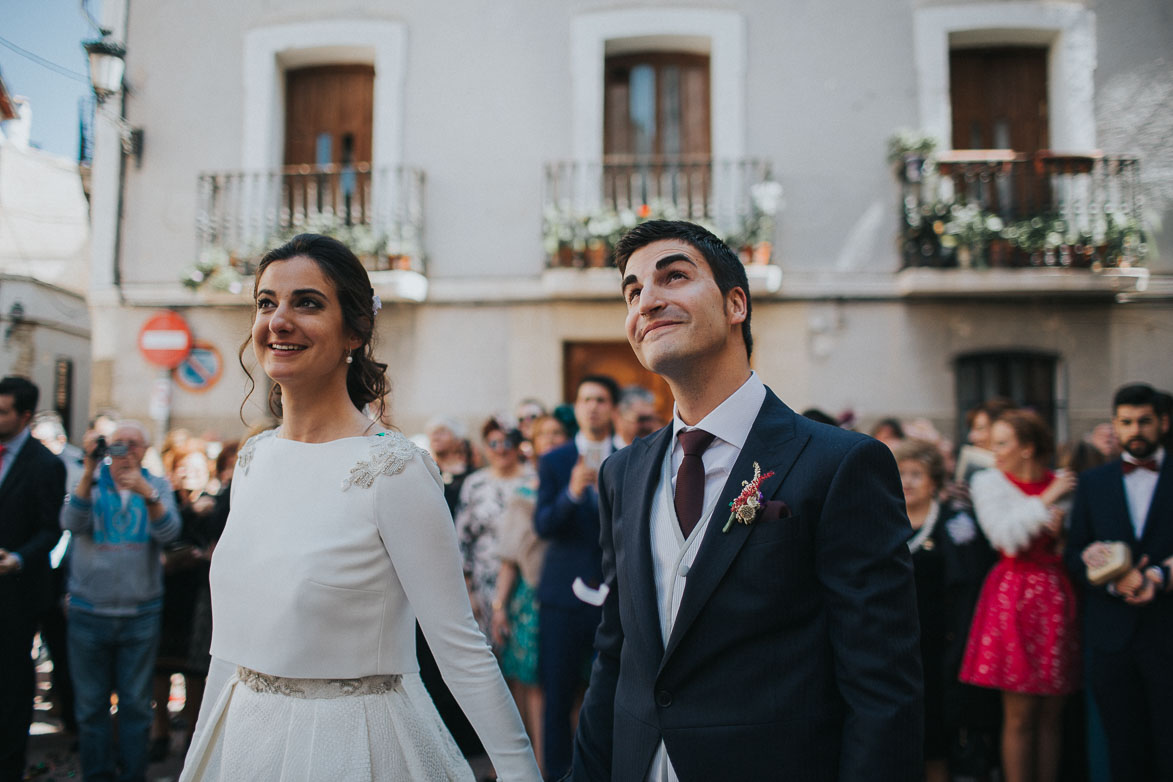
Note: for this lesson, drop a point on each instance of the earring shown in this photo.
(350, 359)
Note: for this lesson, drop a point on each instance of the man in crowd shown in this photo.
(32, 486)
(1128, 622)
(120, 517)
(635, 415)
(567, 515)
(761, 618)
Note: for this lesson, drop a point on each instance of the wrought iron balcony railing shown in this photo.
(997, 208)
(377, 212)
(588, 206)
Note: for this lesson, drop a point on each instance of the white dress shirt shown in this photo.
(1139, 486)
(673, 554)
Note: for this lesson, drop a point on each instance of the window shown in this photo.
(656, 105)
(1028, 379)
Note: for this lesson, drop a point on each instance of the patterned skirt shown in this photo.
(1025, 632)
(519, 657)
(374, 728)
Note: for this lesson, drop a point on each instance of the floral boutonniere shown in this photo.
(745, 508)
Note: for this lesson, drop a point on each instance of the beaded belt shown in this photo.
(317, 688)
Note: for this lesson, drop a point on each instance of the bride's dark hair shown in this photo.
(366, 378)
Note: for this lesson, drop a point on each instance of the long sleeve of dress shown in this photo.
(1009, 518)
(418, 533)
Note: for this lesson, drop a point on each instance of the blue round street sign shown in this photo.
(201, 369)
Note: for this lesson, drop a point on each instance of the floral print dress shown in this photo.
(483, 500)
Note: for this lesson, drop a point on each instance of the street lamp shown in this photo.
(107, 67)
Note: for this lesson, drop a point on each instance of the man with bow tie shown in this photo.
(761, 616)
(1128, 622)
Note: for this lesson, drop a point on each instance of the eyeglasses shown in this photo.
(498, 444)
(120, 448)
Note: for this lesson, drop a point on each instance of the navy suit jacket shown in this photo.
(1101, 513)
(572, 528)
(30, 510)
(795, 652)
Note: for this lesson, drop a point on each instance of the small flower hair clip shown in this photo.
(376, 304)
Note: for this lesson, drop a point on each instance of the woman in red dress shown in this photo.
(1024, 639)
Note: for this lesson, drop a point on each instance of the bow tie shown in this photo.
(1146, 464)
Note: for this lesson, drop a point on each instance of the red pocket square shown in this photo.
(775, 509)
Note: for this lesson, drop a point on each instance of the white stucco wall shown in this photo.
(481, 95)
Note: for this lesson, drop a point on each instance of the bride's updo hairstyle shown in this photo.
(366, 378)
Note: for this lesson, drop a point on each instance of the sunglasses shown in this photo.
(498, 444)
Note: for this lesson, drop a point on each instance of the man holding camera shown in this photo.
(120, 516)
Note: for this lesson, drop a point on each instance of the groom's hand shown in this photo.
(581, 477)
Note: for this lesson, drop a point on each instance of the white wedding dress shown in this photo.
(330, 553)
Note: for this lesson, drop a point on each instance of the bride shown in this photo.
(338, 539)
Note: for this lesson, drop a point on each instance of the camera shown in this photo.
(100, 448)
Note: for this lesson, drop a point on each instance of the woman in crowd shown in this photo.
(185, 577)
(950, 557)
(1024, 640)
(337, 539)
(980, 421)
(515, 606)
(483, 499)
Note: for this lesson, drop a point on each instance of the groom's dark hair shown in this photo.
(728, 271)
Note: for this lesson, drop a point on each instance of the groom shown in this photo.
(784, 643)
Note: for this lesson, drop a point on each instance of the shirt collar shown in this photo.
(732, 419)
(18, 440)
(583, 444)
(1157, 456)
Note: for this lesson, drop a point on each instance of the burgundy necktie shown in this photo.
(1146, 464)
(690, 479)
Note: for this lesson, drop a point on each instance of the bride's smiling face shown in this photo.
(298, 331)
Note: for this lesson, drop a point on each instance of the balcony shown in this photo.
(589, 206)
(976, 209)
(376, 212)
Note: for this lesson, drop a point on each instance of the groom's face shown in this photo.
(676, 314)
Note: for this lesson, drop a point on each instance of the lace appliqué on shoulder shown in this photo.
(390, 453)
(245, 457)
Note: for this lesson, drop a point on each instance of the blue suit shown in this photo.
(795, 652)
(567, 625)
(1130, 647)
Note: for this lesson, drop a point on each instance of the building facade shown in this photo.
(44, 266)
(482, 157)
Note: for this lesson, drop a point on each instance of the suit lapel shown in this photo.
(1159, 507)
(643, 475)
(1121, 517)
(19, 466)
(773, 445)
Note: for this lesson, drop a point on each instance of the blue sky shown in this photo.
(52, 30)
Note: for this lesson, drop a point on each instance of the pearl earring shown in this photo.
(350, 359)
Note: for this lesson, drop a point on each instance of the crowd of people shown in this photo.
(1041, 572)
(999, 612)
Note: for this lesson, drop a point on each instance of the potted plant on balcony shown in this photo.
(909, 151)
(214, 268)
(766, 202)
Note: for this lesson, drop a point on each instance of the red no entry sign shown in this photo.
(165, 340)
